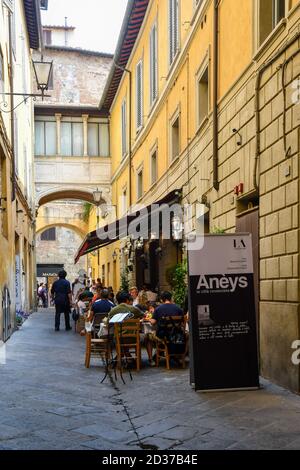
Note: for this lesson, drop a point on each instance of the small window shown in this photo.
(98, 139)
(153, 164)
(72, 139)
(175, 138)
(47, 35)
(124, 128)
(45, 138)
(49, 235)
(140, 184)
(203, 96)
(139, 95)
(271, 12)
(44, 4)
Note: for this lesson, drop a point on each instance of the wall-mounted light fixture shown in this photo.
(42, 72)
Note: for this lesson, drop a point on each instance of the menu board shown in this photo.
(222, 314)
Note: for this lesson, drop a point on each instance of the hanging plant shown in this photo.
(87, 209)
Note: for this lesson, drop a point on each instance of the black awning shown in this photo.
(119, 229)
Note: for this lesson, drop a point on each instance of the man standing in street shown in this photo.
(61, 291)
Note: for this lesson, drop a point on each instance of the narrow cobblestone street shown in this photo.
(50, 401)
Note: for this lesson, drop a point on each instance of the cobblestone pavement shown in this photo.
(48, 400)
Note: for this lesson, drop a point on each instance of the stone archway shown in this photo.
(78, 192)
(61, 249)
(78, 229)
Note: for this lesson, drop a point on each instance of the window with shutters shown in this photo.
(173, 29)
(203, 95)
(270, 13)
(153, 65)
(49, 235)
(140, 181)
(139, 96)
(153, 165)
(175, 137)
(124, 128)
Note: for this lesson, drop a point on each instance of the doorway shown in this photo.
(248, 222)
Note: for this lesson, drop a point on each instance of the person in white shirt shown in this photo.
(135, 295)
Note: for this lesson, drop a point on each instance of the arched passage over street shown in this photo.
(75, 193)
(71, 226)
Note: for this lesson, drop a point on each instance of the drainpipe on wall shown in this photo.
(12, 120)
(215, 94)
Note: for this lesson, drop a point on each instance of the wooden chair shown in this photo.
(127, 341)
(172, 341)
(97, 320)
(97, 348)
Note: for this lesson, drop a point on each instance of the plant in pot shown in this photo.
(177, 278)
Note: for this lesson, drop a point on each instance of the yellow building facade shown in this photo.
(207, 103)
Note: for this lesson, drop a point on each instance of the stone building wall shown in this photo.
(278, 180)
(277, 200)
(79, 76)
(61, 251)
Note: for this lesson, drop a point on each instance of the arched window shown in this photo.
(49, 235)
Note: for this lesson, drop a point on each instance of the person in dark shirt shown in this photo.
(166, 309)
(102, 305)
(62, 294)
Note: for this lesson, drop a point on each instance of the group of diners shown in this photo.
(139, 304)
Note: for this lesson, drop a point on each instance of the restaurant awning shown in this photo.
(119, 229)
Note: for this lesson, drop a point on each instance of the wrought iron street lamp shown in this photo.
(177, 228)
(42, 71)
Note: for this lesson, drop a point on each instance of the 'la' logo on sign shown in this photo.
(239, 244)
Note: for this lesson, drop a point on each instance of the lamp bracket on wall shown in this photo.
(4, 104)
(237, 132)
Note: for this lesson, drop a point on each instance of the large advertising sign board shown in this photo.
(222, 314)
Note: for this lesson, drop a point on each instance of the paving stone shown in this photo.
(180, 433)
(7, 432)
(49, 400)
(109, 433)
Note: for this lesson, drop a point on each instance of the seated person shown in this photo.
(82, 304)
(165, 310)
(149, 330)
(124, 306)
(100, 309)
